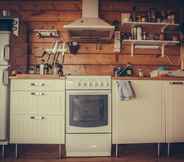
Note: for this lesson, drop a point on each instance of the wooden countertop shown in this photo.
(148, 78)
(36, 76)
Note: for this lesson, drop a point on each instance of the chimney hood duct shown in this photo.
(90, 28)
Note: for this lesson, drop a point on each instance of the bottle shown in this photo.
(55, 70)
(133, 15)
(42, 67)
(139, 33)
(134, 32)
(140, 73)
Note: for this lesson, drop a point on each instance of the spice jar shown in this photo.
(140, 73)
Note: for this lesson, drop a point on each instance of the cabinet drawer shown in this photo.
(37, 129)
(41, 102)
(37, 84)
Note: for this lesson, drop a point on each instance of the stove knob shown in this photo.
(79, 84)
(85, 84)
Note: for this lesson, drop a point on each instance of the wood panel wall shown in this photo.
(92, 58)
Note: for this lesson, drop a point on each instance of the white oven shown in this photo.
(88, 116)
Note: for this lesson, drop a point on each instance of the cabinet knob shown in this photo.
(37, 84)
(42, 84)
(34, 84)
(33, 93)
(42, 94)
(37, 93)
(32, 117)
(176, 83)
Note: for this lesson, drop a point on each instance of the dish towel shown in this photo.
(125, 90)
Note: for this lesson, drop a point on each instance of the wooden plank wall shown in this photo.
(53, 14)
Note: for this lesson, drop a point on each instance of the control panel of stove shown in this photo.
(88, 82)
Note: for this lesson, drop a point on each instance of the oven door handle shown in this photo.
(89, 92)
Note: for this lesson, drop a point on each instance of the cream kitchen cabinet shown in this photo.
(141, 119)
(174, 108)
(37, 111)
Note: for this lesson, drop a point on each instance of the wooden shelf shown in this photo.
(47, 33)
(156, 44)
(162, 25)
(151, 42)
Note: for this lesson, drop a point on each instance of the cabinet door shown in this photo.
(23, 129)
(51, 129)
(139, 120)
(174, 105)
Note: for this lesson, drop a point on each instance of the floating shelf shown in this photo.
(162, 25)
(156, 44)
(151, 42)
(46, 33)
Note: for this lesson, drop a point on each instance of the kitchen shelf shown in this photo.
(162, 25)
(47, 33)
(153, 44)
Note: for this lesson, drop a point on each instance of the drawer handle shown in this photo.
(42, 84)
(34, 84)
(37, 93)
(37, 118)
(38, 84)
(32, 117)
(176, 83)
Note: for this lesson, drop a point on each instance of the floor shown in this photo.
(112, 159)
(127, 153)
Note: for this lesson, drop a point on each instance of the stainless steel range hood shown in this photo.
(90, 27)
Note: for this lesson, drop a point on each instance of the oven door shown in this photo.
(88, 111)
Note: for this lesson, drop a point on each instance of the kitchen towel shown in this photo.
(125, 90)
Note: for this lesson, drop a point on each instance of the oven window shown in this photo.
(88, 110)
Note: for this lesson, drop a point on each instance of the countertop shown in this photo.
(36, 76)
(148, 78)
